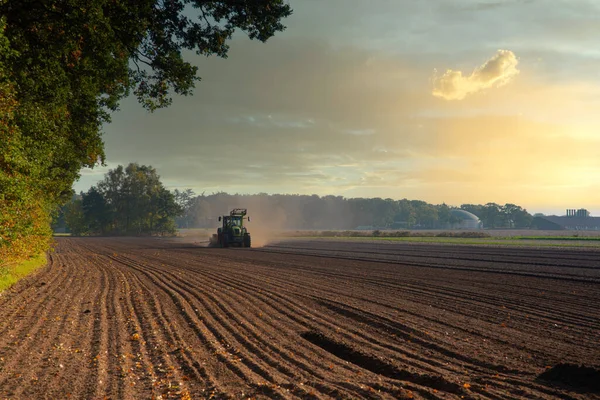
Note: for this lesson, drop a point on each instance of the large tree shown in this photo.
(72, 62)
(24, 208)
(128, 201)
(66, 64)
(136, 200)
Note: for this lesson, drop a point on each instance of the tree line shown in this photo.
(133, 201)
(64, 68)
(294, 211)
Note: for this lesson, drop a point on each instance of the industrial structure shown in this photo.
(579, 220)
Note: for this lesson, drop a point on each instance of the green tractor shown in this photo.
(232, 232)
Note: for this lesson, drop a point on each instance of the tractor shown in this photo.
(232, 232)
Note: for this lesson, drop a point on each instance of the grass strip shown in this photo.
(584, 238)
(9, 275)
(496, 241)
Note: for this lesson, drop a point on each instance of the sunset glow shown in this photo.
(442, 101)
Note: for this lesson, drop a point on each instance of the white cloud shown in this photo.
(496, 72)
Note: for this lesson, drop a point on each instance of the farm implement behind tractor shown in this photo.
(232, 232)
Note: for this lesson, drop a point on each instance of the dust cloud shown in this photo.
(199, 237)
(277, 217)
(266, 223)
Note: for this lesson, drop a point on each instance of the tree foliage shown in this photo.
(24, 209)
(337, 212)
(128, 201)
(73, 61)
(64, 67)
(289, 211)
(497, 216)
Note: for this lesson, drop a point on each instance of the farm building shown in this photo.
(579, 220)
(466, 219)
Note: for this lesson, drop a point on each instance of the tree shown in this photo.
(517, 216)
(336, 212)
(75, 217)
(493, 216)
(475, 209)
(406, 216)
(73, 62)
(114, 189)
(66, 64)
(96, 211)
(135, 202)
(184, 200)
(25, 212)
(164, 212)
(427, 215)
(445, 218)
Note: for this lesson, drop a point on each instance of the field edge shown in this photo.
(11, 275)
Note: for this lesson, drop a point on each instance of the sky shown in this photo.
(446, 101)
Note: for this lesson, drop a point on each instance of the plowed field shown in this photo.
(148, 318)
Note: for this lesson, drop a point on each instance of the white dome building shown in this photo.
(466, 219)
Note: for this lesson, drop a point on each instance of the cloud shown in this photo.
(496, 72)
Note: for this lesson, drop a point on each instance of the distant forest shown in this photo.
(132, 200)
(294, 211)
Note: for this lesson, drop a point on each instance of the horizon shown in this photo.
(549, 212)
(446, 102)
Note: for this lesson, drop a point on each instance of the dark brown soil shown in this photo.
(147, 318)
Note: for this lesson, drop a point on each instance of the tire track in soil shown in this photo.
(424, 292)
(184, 303)
(370, 339)
(481, 305)
(219, 320)
(66, 347)
(46, 340)
(445, 263)
(227, 285)
(321, 302)
(299, 310)
(549, 257)
(142, 330)
(164, 368)
(485, 311)
(190, 367)
(220, 326)
(40, 337)
(329, 390)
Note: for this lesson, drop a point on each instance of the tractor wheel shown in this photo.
(247, 241)
(224, 241)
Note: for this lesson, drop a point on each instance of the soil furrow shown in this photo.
(210, 320)
(260, 354)
(132, 318)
